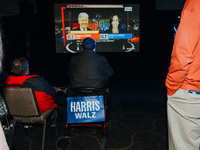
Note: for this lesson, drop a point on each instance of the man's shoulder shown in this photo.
(192, 6)
(22, 77)
(99, 56)
(77, 55)
(35, 79)
(75, 29)
(89, 29)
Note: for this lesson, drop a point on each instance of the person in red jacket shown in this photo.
(183, 82)
(44, 92)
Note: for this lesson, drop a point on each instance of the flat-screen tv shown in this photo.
(176, 24)
(114, 27)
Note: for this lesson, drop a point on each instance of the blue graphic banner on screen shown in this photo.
(85, 109)
(116, 36)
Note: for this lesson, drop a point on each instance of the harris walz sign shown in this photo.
(85, 109)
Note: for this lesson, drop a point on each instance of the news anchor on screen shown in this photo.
(115, 26)
(83, 21)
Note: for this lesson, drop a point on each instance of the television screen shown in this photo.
(175, 28)
(114, 27)
(176, 25)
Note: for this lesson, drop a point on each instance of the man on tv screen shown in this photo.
(83, 21)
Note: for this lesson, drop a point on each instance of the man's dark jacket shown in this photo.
(89, 69)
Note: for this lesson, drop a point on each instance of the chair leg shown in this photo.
(44, 132)
(13, 130)
(55, 121)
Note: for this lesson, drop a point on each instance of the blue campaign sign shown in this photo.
(85, 109)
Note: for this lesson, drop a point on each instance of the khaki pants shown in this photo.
(3, 142)
(183, 110)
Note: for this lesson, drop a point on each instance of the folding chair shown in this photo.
(5, 121)
(23, 107)
(3, 110)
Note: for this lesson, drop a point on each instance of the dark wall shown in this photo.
(169, 4)
(31, 35)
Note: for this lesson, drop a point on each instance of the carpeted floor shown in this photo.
(137, 121)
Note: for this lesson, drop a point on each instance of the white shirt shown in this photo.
(83, 29)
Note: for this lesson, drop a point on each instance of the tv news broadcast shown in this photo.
(114, 27)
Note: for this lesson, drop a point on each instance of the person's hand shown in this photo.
(63, 89)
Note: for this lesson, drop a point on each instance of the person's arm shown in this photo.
(108, 68)
(40, 84)
(4, 76)
(186, 39)
(69, 71)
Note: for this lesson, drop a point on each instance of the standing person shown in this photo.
(183, 82)
(3, 142)
(44, 92)
(89, 69)
(83, 21)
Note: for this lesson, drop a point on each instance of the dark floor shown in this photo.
(137, 122)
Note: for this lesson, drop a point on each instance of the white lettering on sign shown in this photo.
(85, 115)
(128, 9)
(85, 106)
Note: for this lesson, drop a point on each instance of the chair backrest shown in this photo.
(81, 91)
(21, 102)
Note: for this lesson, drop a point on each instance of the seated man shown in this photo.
(89, 69)
(43, 90)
